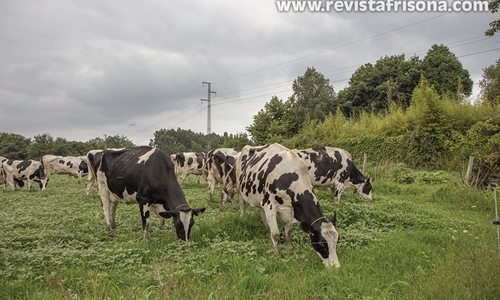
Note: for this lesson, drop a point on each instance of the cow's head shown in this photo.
(364, 189)
(183, 219)
(324, 238)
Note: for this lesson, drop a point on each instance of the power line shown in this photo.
(333, 48)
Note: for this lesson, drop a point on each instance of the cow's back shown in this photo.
(271, 173)
(145, 172)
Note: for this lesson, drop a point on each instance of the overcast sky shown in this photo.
(83, 69)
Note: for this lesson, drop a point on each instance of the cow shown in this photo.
(143, 175)
(218, 164)
(71, 165)
(188, 163)
(18, 170)
(333, 168)
(276, 180)
(19, 184)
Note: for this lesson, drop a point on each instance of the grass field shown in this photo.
(414, 241)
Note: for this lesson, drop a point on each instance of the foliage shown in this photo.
(14, 146)
(445, 72)
(238, 140)
(414, 241)
(490, 83)
(372, 88)
(313, 96)
(431, 133)
(494, 25)
(270, 123)
(313, 99)
(174, 141)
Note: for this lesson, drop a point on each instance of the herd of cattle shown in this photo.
(274, 178)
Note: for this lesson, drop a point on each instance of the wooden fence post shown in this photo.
(365, 158)
(469, 171)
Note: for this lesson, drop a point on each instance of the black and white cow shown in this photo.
(276, 180)
(143, 175)
(19, 184)
(333, 168)
(188, 163)
(74, 166)
(218, 164)
(18, 170)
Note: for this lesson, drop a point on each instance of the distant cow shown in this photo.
(275, 179)
(218, 163)
(143, 175)
(19, 184)
(71, 165)
(188, 163)
(18, 170)
(333, 168)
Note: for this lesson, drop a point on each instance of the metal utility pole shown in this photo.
(209, 122)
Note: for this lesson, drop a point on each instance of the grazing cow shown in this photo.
(30, 170)
(71, 165)
(275, 179)
(218, 164)
(333, 168)
(143, 175)
(189, 163)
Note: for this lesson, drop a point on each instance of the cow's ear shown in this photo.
(334, 219)
(198, 211)
(167, 214)
(367, 180)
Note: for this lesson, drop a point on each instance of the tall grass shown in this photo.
(414, 241)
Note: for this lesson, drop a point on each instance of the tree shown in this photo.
(14, 146)
(445, 72)
(173, 141)
(494, 25)
(42, 144)
(313, 98)
(490, 84)
(482, 141)
(373, 87)
(313, 95)
(269, 123)
(238, 140)
(429, 126)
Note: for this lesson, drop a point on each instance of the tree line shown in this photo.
(15, 146)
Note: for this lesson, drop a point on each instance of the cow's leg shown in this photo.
(89, 184)
(198, 179)
(270, 216)
(286, 216)
(10, 180)
(146, 220)
(79, 177)
(104, 195)
(339, 188)
(30, 183)
(161, 221)
(223, 199)
(112, 213)
(69, 178)
(183, 176)
(243, 206)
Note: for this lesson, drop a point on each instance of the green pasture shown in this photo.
(428, 239)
